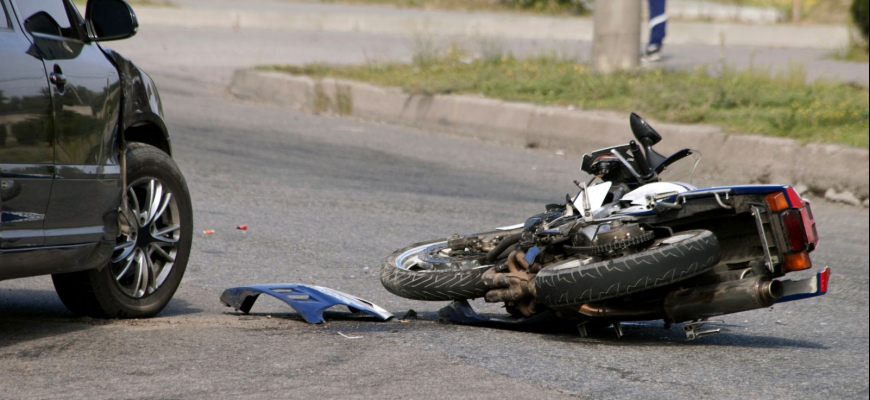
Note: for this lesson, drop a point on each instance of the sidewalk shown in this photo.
(291, 15)
(712, 11)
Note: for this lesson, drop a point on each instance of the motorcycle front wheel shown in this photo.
(429, 271)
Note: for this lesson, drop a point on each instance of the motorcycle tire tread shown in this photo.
(431, 285)
(657, 266)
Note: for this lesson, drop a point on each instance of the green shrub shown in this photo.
(861, 15)
(575, 6)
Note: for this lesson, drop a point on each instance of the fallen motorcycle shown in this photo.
(637, 243)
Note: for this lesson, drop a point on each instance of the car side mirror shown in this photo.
(110, 20)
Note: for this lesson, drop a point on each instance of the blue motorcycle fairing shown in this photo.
(309, 301)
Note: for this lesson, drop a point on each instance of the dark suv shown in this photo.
(89, 192)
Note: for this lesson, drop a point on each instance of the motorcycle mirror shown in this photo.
(648, 137)
(644, 133)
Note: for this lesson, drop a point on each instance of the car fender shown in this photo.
(140, 103)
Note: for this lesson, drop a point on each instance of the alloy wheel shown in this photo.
(144, 258)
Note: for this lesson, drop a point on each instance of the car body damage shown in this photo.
(141, 108)
(309, 301)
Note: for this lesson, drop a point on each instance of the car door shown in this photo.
(26, 138)
(86, 99)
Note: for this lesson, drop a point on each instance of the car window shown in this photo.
(5, 22)
(47, 17)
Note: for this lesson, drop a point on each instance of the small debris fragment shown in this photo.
(349, 337)
(242, 227)
(560, 152)
(844, 197)
(781, 323)
(404, 321)
(208, 232)
(411, 314)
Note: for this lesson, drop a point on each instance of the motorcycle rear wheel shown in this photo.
(574, 282)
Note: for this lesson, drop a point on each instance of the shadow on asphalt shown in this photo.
(653, 334)
(649, 334)
(27, 315)
(31, 303)
(178, 307)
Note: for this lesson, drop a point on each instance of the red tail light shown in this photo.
(796, 234)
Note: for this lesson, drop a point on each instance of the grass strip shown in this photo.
(753, 101)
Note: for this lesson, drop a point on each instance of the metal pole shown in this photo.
(616, 45)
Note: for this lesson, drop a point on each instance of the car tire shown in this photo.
(104, 292)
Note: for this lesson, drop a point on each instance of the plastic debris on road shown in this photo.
(309, 301)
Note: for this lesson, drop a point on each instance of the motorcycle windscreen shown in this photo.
(683, 169)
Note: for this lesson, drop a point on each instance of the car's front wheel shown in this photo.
(150, 258)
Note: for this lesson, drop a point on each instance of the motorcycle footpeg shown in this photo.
(693, 332)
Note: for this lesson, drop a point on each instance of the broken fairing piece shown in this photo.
(309, 301)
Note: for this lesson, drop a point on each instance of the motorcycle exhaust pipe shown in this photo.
(720, 299)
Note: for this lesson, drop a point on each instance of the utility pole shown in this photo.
(796, 10)
(616, 44)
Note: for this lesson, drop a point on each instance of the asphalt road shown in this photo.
(326, 200)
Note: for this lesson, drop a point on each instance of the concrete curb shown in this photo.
(489, 25)
(727, 159)
(689, 9)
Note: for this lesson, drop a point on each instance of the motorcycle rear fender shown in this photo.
(806, 288)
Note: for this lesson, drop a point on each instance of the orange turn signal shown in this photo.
(798, 262)
(776, 201)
